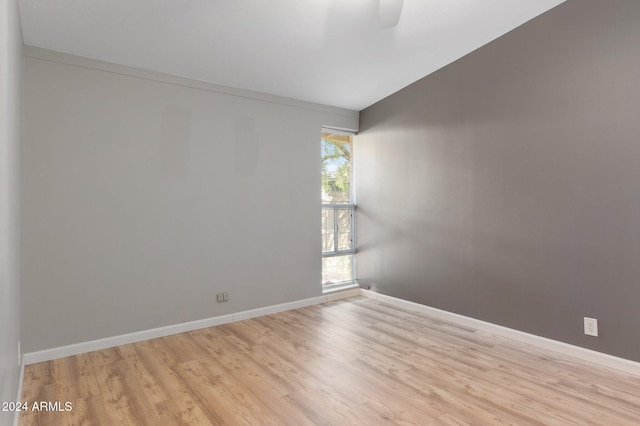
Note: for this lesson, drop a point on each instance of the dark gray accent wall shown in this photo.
(506, 186)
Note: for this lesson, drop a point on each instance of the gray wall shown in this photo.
(10, 134)
(145, 195)
(505, 186)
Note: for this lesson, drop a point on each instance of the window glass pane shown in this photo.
(337, 269)
(336, 168)
(328, 235)
(344, 229)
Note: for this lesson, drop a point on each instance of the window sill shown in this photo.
(334, 288)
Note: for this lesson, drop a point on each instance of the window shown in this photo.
(338, 208)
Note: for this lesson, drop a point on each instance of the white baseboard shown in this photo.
(606, 360)
(589, 355)
(139, 336)
(16, 417)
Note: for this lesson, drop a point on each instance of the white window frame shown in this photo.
(343, 206)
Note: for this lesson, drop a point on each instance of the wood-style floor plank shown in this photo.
(351, 362)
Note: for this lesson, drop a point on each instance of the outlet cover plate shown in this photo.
(591, 326)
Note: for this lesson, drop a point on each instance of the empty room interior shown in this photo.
(320, 212)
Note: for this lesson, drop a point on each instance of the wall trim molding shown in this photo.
(16, 417)
(589, 355)
(113, 68)
(139, 336)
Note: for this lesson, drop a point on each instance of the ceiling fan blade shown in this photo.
(390, 11)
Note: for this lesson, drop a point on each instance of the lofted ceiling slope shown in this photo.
(330, 52)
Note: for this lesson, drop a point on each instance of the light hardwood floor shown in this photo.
(355, 361)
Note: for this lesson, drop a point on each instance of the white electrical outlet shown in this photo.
(591, 326)
(222, 297)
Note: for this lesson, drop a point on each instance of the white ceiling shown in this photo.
(330, 52)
